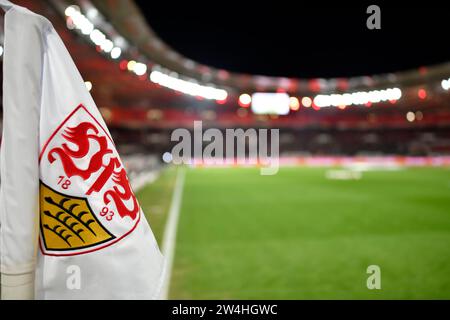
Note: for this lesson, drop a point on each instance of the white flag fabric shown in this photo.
(63, 184)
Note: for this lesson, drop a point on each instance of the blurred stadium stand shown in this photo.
(142, 114)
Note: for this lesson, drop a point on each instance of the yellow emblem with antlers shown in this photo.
(68, 223)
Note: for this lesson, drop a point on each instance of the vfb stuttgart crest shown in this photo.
(86, 202)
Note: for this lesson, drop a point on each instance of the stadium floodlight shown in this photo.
(97, 37)
(79, 20)
(88, 85)
(357, 98)
(445, 84)
(107, 45)
(70, 10)
(140, 68)
(130, 65)
(92, 13)
(167, 157)
(306, 102)
(76, 20)
(270, 103)
(187, 87)
(244, 100)
(410, 116)
(116, 52)
(294, 104)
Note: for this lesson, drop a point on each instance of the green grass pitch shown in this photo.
(297, 235)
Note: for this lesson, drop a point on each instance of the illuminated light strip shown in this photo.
(357, 98)
(187, 87)
(76, 20)
(445, 84)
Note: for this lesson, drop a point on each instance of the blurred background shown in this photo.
(364, 119)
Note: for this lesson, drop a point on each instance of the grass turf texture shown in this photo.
(297, 235)
(155, 201)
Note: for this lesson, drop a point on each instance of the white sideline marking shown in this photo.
(170, 232)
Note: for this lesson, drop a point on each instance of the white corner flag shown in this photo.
(71, 227)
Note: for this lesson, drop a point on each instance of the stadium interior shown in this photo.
(145, 90)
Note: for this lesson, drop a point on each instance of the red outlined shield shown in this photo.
(86, 201)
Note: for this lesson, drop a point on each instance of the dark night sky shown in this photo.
(310, 39)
